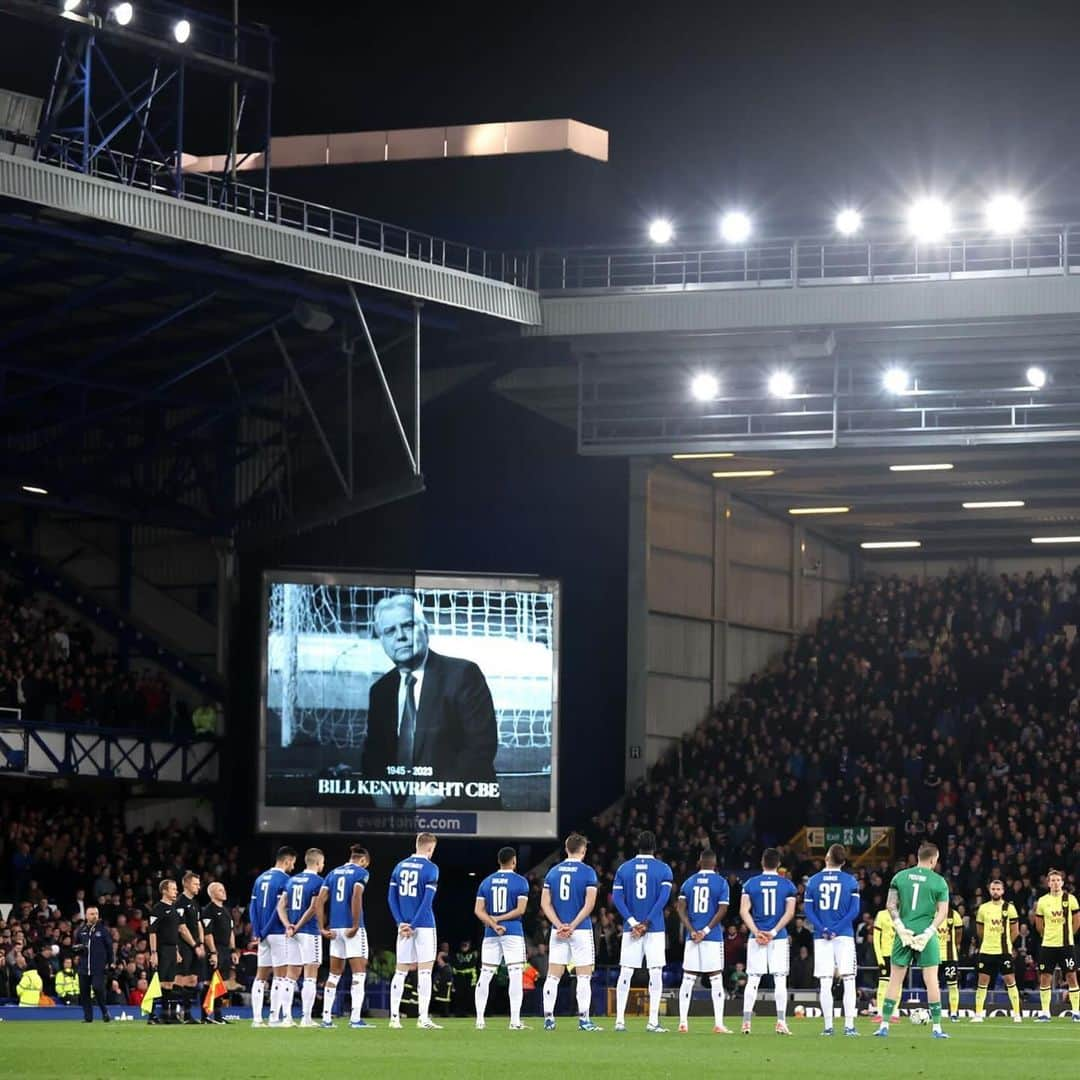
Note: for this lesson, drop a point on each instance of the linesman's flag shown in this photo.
(153, 992)
(215, 990)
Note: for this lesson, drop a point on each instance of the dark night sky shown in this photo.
(787, 109)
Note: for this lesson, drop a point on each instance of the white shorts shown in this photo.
(771, 959)
(648, 949)
(419, 948)
(509, 947)
(704, 957)
(304, 949)
(836, 955)
(344, 948)
(274, 951)
(579, 949)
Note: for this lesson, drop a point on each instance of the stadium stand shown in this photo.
(945, 709)
(54, 672)
(55, 861)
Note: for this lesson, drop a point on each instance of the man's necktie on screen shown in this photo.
(407, 729)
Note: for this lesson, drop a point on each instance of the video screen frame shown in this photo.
(341, 819)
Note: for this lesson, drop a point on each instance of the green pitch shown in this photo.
(75, 1051)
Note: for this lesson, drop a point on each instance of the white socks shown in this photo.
(825, 997)
(517, 992)
(622, 994)
(359, 980)
(716, 985)
(423, 992)
(686, 992)
(328, 997)
(258, 997)
(750, 997)
(275, 997)
(780, 990)
(480, 995)
(551, 992)
(397, 988)
(288, 992)
(307, 996)
(584, 996)
(849, 1001)
(656, 989)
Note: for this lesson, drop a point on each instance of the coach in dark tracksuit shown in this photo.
(94, 947)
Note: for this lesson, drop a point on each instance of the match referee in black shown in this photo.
(191, 945)
(166, 929)
(220, 940)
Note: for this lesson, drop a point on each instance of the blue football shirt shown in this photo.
(768, 897)
(832, 903)
(301, 889)
(412, 885)
(704, 892)
(339, 886)
(500, 892)
(568, 882)
(639, 883)
(262, 910)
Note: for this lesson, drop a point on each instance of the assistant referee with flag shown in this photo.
(220, 941)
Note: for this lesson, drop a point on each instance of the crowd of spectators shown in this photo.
(56, 861)
(946, 709)
(51, 671)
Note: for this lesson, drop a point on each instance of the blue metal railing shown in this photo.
(40, 749)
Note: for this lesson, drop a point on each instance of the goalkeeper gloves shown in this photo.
(907, 938)
(922, 940)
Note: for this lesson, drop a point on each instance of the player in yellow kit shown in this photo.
(883, 943)
(949, 933)
(998, 927)
(1057, 922)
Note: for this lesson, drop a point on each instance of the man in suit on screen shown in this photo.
(431, 714)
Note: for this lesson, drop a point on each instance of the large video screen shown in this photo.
(395, 704)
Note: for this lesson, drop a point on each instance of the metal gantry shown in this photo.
(806, 262)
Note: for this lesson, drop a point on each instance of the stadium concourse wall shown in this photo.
(716, 589)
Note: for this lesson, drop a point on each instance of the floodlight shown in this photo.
(938, 467)
(122, 13)
(848, 222)
(929, 220)
(882, 545)
(704, 386)
(1005, 215)
(781, 384)
(33, 489)
(735, 227)
(72, 5)
(896, 380)
(661, 231)
(1036, 377)
(182, 31)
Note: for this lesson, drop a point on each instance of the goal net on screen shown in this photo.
(323, 658)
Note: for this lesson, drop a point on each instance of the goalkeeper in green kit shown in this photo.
(919, 904)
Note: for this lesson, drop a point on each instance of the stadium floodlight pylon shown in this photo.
(117, 99)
